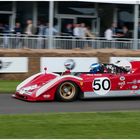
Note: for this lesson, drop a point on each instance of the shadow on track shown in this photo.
(98, 99)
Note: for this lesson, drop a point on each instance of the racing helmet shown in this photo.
(94, 68)
(69, 64)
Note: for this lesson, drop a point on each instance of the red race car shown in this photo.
(103, 80)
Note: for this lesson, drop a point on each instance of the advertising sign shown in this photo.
(59, 64)
(13, 64)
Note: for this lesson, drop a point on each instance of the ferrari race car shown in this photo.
(103, 80)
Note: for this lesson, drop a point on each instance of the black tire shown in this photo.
(67, 91)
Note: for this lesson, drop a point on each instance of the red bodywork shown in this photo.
(43, 86)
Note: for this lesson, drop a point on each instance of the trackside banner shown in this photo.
(57, 64)
(13, 64)
(116, 59)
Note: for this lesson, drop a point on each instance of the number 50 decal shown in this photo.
(101, 85)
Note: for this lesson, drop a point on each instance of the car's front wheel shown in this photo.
(67, 91)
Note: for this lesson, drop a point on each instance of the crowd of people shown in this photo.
(114, 32)
(76, 30)
(42, 29)
(30, 29)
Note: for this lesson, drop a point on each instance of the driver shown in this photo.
(96, 68)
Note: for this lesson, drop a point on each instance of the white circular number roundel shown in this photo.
(101, 86)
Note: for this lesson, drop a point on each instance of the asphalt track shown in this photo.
(9, 105)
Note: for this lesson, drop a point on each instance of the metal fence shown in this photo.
(63, 42)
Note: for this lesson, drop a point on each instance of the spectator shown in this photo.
(47, 30)
(18, 29)
(68, 30)
(125, 33)
(18, 32)
(83, 30)
(109, 34)
(89, 33)
(90, 36)
(6, 29)
(76, 31)
(41, 32)
(114, 29)
(1, 28)
(56, 26)
(40, 29)
(30, 29)
(68, 33)
(6, 32)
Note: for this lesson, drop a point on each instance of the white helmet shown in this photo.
(69, 64)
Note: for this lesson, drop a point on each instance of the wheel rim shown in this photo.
(67, 90)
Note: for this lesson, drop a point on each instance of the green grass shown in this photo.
(8, 86)
(71, 125)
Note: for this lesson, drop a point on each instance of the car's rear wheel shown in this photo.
(67, 91)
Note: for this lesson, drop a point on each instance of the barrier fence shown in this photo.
(63, 42)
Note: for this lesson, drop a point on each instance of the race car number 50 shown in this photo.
(101, 85)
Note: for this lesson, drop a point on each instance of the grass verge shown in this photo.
(71, 125)
(8, 86)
